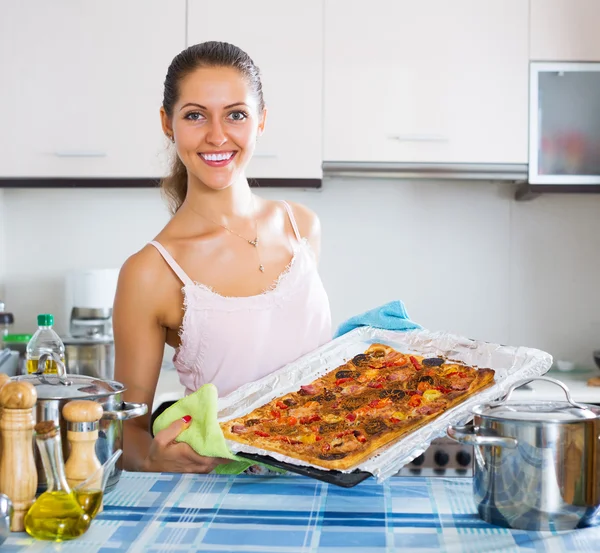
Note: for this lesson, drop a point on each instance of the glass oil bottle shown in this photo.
(56, 515)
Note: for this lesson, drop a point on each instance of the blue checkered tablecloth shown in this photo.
(292, 514)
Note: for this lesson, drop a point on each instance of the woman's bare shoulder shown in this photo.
(145, 269)
(307, 220)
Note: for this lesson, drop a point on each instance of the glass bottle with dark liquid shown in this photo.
(56, 514)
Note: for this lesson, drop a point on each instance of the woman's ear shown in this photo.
(261, 122)
(166, 124)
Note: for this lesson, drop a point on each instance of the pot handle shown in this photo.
(469, 434)
(129, 411)
(547, 379)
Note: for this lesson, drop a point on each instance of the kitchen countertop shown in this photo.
(154, 512)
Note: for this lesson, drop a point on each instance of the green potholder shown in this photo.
(204, 434)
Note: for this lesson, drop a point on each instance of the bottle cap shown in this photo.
(45, 320)
(17, 338)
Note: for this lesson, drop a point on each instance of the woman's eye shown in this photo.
(194, 116)
(238, 115)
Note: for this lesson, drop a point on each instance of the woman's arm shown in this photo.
(139, 348)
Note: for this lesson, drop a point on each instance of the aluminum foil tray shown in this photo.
(510, 364)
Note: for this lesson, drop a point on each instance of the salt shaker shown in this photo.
(18, 474)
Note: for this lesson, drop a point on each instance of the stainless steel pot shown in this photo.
(55, 391)
(537, 463)
(91, 356)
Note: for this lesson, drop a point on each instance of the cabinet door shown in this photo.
(427, 81)
(82, 86)
(565, 30)
(285, 40)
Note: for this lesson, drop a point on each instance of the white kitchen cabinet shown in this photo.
(565, 30)
(285, 40)
(427, 81)
(82, 86)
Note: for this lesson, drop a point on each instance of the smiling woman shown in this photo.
(231, 282)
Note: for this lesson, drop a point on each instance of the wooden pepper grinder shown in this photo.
(4, 379)
(18, 475)
(82, 418)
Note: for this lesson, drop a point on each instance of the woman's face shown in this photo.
(215, 124)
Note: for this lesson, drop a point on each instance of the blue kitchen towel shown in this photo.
(390, 316)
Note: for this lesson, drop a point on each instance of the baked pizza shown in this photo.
(343, 418)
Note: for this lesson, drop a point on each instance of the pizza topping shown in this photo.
(460, 384)
(415, 363)
(456, 374)
(395, 359)
(288, 440)
(400, 376)
(362, 439)
(328, 395)
(433, 362)
(377, 352)
(252, 422)
(261, 434)
(341, 381)
(351, 417)
(352, 390)
(398, 416)
(309, 419)
(308, 390)
(290, 402)
(281, 405)
(360, 360)
(429, 409)
(275, 414)
(238, 428)
(395, 395)
(347, 374)
(415, 401)
(292, 421)
(426, 379)
(422, 386)
(374, 384)
(431, 395)
(375, 426)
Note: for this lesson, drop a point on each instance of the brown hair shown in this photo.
(206, 54)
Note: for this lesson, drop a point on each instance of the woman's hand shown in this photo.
(167, 455)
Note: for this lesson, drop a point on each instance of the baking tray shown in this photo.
(509, 363)
(343, 479)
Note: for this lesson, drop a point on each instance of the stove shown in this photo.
(444, 457)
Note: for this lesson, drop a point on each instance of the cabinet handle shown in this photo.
(418, 137)
(79, 153)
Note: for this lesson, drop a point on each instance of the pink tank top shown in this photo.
(230, 341)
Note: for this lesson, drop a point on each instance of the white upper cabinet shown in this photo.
(82, 86)
(565, 30)
(285, 41)
(426, 81)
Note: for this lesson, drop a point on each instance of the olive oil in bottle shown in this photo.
(56, 514)
(90, 501)
(44, 341)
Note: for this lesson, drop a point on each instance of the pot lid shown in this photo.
(539, 411)
(71, 386)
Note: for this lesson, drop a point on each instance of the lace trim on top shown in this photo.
(199, 299)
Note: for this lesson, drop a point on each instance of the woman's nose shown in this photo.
(215, 135)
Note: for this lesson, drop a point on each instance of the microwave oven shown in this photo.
(564, 126)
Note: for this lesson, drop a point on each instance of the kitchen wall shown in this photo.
(464, 257)
(2, 245)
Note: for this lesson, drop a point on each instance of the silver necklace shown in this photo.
(251, 242)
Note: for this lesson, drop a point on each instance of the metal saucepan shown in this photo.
(56, 390)
(537, 463)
